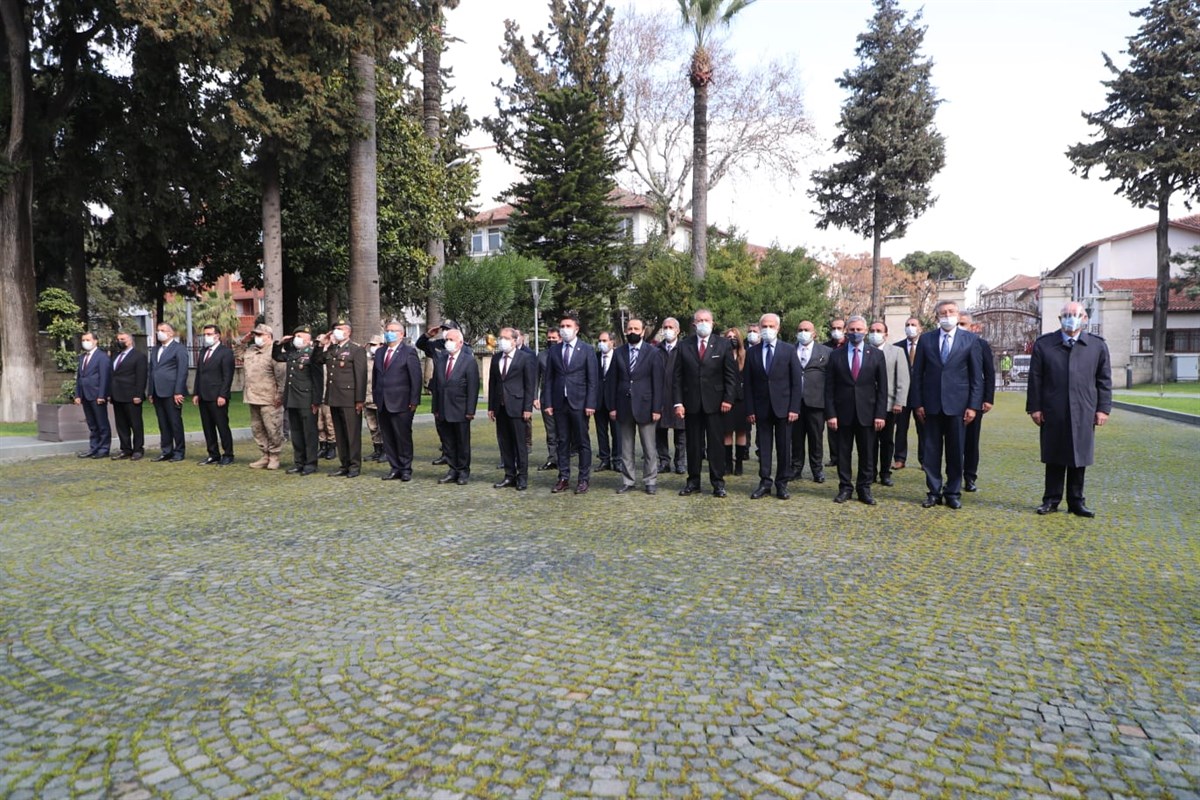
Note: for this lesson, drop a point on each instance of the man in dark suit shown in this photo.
(837, 338)
(670, 426)
(706, 383)
(302, 391)
(912, 332)
(346, 394)
(552, 338)
(635, 389)
(512, 385)
(570, 394)
(971, 444)
(856, 395)
(608, 443)
(166, 386)
(948, 382)
(455, 395)
(774, 389)
(92, 377)
(1069, 395)
(214, 382)
(396, 383)
(809, 430)
(128, 390)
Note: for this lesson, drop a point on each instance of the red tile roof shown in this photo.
(1017, 283)
(1143, 290)
(620, 199)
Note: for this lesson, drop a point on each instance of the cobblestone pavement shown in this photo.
(170, 630)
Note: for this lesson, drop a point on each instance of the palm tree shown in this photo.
(703, 17)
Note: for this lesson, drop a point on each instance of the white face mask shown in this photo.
(371, 350)
(837, 335)
(209, 340)
(753, 337)
(300, 344)
(88, 345)
(505, 345)
(804, 338)
(669, 334)
(1071, 322)
(339, 335)
(162, 336)
(948, 323)
(604, 347)
(911, 331)
(874, 338)
(258, 341)
(769, 335)
(703, 329)
(451, 346)
(567, 334)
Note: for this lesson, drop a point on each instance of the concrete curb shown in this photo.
(1162, 413)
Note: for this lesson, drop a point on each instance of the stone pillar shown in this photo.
(1115, 315)
(954, 290)
(1055, 293)
(896, 309)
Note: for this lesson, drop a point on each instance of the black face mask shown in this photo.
(633, 338)
(734, 344)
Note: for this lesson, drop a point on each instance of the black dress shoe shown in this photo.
(931, 500)
(449, 477)
(308, 471)
(689, 489)
(969, 486)
(953, 502)
(1080, 510)
(843, 496)
(462, 479)
(781, 491)
(209, 461)
(84, 454)
(391, 476)
(122, 456)
(339, 473)
(866, 498)
(550, 464)
(225, 461)
(625, 488)
(293, 470)
(137, 457)
(100, 455)
(651, 490)
(162, 457)
(406, 476)
(680, 470)
(352, 473)
(177, 457)
(719, 491)
(1047, 508)
(604, 466)
(819, 478)
(561, 486)
(522, 485)
(762, 490)
(504, 484)
(439, 461)
(886, 480)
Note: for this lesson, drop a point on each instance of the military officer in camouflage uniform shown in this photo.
(370, 410)
(263, 393)
(326, 431)
(302, 394)
(346, 395)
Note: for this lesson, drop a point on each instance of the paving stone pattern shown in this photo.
(177, 631)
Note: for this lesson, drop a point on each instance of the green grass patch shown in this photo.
(1183, 387)
(1186, 405)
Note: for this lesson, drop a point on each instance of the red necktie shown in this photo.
(207, 353)
(703, 348)
(504, 367)
(449, 365)
(387, 357)
(86, 360)
(857, 363)
(120, 358)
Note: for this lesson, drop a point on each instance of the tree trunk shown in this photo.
(431, 67)
(364, 238)
(1158, 339)
(20, 371)
(700, 182)
(272, 224)
(876, 312)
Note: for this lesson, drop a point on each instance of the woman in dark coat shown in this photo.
(737, 429)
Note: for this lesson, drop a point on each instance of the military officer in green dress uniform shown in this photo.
(346, 394)
(302, 394)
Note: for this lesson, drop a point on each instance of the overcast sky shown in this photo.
(1014, 76)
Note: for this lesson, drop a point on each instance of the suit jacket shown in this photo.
(949, 388)
(1069, 385)
(636, 394)
(902, 346)
(862, 400)
(92, 383)
(129, 377)
(778, 393)
(517, 389)
(214, 373)
(814, 374)
(989, 371)
(603, 407)
(167, 370)
(668, 418)
(701, 386)
(455, 396)
(399, 385)
(345, 375)
(577, 384)
(898, 375)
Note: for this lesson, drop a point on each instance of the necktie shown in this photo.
(703, 348)
(1070, 343)
(945, 347)
(207, 353)
(86, 360)
(633, 354)
(161, 347)
(770, 357)
(854, 367)
(803, 357)
(449, 365)
(912, 352)
(387, 357)
(504, 366)
(605, 370)
(566, 355)
(120, 358)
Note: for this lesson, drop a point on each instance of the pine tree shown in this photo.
(887, 132)
(1149, 134)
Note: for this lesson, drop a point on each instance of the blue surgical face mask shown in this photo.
(1071, 322)
(703, 329)
(804, 337)
(391, 336)
(855, 337)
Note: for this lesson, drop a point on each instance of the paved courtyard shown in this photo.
(168, 630)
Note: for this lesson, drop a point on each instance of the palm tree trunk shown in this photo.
(364, 240)
(431, 66)
(272, 224)
(21, 375)
(700, 182)
(1158, 339)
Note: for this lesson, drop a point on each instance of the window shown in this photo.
(477, 242)
(625, 228)
(1179, 340)
(246, 308)
(495, 240)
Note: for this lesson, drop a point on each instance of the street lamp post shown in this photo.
(536, 286)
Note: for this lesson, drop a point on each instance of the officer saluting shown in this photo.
(345, 394)
(302, 394)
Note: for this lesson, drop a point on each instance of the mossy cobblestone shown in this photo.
(176, 631)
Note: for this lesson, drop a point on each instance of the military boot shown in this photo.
(272, 462)
(260, 464)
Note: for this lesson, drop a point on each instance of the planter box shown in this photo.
(64, 422)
